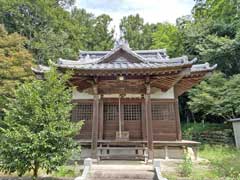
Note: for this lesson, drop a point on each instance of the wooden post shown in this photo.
(119, 117)
(149, 121)
(144, 134)
(177, 117)
(122, 112)
(101, 118)
(95, 122)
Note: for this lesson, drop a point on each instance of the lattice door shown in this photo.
(163, 120)
(132, 117)
(111, 120)
(83, 111)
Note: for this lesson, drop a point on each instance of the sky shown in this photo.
(152, 11)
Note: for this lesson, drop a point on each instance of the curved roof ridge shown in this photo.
(124, 48)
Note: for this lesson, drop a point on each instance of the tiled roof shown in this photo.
(119, 59)
(203, 67)
(123, 65)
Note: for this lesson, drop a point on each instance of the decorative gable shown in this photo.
(121, 54)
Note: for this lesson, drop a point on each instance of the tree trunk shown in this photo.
(35, 170)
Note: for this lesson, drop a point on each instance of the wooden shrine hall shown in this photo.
(129, 101)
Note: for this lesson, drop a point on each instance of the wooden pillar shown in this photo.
(101, 118)
(95, 122)
(177, 117)
(144, 131)
(149, 121)
(122, 112)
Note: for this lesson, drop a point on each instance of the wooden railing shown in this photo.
(107, 153)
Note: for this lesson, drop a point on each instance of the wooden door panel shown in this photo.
(132, 117)
(83, 111)
(110, 120)
(163, 121)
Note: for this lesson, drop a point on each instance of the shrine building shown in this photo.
(129, 101)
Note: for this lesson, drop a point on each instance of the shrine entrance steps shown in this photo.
(120, 170)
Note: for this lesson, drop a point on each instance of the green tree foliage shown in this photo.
(54, 32)
(15, 64)
(213, 33)
(36, 131)
(93, 32)
(217, 96)
(45, 23)
(169, 37)
(138, 34)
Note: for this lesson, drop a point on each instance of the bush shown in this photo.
(37, 132)
(65, 171)
(210, 133)
(68, 171)
(185, 169)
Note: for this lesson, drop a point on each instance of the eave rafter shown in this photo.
(166, 82)
(188, 82)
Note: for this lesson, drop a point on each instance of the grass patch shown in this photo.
(222, 163)
(62, 172)
(67, 171)
(224, 160)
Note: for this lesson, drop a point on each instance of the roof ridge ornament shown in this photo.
(121, 41)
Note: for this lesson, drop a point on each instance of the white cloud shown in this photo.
(152, 11)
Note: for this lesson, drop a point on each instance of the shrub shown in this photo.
(64, 171)
(36, 132)
(208, 133)
(185, 169)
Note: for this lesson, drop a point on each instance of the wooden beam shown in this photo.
(149, 120)
(177, 117)
(95, 122)
(101, 118)
(144, 131)
(185, 72)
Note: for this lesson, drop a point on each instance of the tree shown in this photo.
(15, 64)
(46, 24)
(138, 34)
(36, 131)
(218, 96)
(102, 39)
(169, 37)
(54, 32)
(212, 34)
(94, 33)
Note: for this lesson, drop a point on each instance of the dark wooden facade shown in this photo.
(133, 114)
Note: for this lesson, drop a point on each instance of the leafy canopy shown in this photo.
(15, 64)
(53, 31)
(212, 34)
(138, 34)
(218, 96)
(36, 131)
(169, 37)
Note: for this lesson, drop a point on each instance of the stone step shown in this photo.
(115, 179)
(127, 174)
(120, 170)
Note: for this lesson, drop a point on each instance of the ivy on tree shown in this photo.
(36, 131)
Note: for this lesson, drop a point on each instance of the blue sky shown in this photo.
(151, 10)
